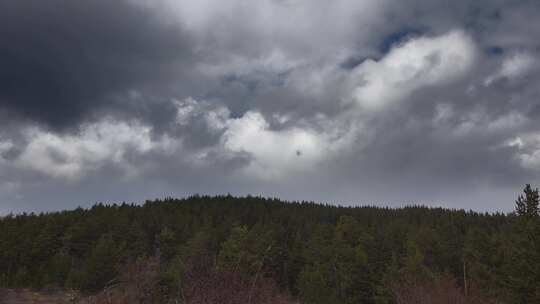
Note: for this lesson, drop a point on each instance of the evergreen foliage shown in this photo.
(315, 253)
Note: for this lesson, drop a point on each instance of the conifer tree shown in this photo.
(528, 205)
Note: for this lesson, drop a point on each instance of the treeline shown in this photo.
(257, 250)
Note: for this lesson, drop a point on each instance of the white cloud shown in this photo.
(414, 64)
(215, 116)
(528, 150)
(514, 67)
(71, 156)
(274, 153)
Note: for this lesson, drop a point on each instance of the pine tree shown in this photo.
(527, 205)
(525, 251)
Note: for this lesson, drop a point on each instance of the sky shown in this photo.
(351, 102)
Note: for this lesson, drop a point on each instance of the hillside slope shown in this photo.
(265, 249)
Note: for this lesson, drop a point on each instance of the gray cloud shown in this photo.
(374, 102)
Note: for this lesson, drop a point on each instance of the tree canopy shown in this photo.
(311, 252)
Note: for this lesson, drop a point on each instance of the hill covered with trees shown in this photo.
(224, 249)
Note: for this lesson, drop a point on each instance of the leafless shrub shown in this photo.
(444, 290)
(137, 283)
(226, 287)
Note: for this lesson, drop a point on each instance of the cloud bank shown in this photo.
(352, 102)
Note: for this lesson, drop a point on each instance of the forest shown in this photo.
(226, 249)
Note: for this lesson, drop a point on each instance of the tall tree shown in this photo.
(527, 203)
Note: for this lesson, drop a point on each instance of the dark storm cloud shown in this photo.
(61, 60)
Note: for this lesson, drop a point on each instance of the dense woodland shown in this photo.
(254, 250)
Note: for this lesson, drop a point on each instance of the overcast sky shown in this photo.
(380, 102)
